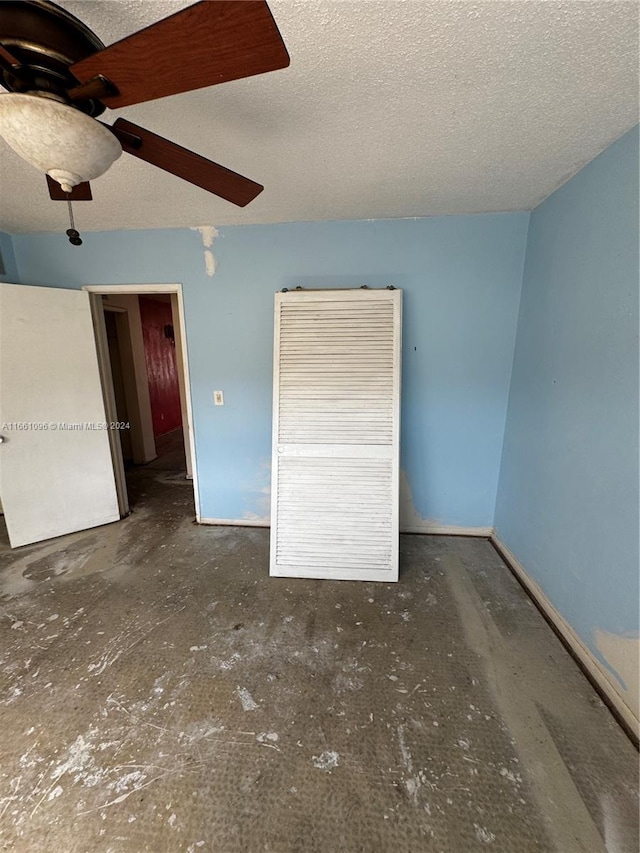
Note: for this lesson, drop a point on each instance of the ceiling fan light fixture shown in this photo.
(57, 139)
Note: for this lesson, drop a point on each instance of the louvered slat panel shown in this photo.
(342, 351)
(324, 506)
(336, 430)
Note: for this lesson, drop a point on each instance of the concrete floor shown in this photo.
(160, 693)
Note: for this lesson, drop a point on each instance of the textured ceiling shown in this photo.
(390, 108)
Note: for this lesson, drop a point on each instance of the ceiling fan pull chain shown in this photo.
(72, 234)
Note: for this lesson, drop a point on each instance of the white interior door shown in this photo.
(336, 434)
(56, 472)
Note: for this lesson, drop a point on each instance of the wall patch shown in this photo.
(208, 234)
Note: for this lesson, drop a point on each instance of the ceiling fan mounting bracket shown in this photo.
(98, 87)
(41, 41)
(125, 137)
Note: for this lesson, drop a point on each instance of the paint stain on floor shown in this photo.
(159, 692)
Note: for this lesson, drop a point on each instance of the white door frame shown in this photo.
(110, 409)
(142, 290)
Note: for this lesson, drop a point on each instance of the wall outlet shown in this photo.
(218, 398)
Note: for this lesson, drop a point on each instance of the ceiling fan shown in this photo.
(60, 77)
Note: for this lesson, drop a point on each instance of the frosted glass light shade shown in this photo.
(70, 146)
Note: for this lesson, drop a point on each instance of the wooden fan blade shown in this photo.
(81, 192)
(184, 163)
(204, 44)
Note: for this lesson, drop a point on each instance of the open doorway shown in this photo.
(144, 372)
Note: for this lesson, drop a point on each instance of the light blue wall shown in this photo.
(8, 259)
(568, 498)
(462, 279)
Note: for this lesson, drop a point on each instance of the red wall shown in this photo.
(162, 371)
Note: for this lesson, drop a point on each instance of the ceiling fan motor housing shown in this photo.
(45, 40)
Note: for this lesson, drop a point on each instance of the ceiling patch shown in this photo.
(208, 234)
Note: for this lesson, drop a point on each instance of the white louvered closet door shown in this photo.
(336, 434)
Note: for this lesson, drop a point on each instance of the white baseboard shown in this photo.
(235, 522)
(591, 664)
(447, 530)
(441, 529)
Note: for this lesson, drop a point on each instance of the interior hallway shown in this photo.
(160, 693)
(146, 483)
